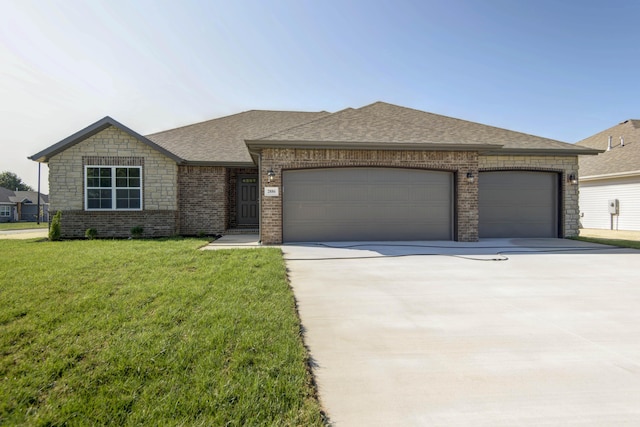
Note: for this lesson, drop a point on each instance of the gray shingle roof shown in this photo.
(391, 124)
(92, 129)
(31, 196)
(617, 160)
(222, 140)
(5, 195)
(10, 196)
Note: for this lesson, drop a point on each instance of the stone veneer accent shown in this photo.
(279, 159)
(202, 199)
(564, 165)
(114, 147)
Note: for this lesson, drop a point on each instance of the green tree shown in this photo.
(11, 181)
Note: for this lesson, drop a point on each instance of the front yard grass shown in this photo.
(21, 225)
(149, 333)
(634, 244)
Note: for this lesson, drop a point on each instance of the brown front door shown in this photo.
(247, 200)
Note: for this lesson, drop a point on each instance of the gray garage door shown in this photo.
(367, 204)
(518, 204)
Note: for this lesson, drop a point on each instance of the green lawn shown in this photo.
(613, 242)
(21, 225)
(144, 332)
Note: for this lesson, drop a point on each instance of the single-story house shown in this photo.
(22, 206)
(379, 172)
(610, 182)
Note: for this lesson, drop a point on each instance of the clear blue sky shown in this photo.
(558, 69)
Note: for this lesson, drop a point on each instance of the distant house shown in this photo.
(610, 182)
(379, 172)
(22, 206)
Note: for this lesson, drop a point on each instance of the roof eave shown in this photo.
(542, 152)
(46, 154)
(610, 175)
(218, 163)
(255, 146)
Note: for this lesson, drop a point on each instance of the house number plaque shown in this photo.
(271, 191)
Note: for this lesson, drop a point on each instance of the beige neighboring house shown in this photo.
(379, 172)
(610, 182)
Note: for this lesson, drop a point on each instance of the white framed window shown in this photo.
(5, 210)
(113, 188)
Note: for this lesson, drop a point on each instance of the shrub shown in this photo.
(91, 233)
(55, 232)
(136, 232)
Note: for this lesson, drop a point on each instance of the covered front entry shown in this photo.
(247, 200)
(367, 204)
(518, 204)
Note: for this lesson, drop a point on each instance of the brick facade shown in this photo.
(190, 200)
(279, 159)
(118, 224)
(203, 201)
(564, 165)
(460, 163)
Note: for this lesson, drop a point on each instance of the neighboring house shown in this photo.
(8, 210)
(380, 172)
(610, 182)
(22, 206)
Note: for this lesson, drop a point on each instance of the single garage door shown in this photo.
(367, 204)
(518, 204)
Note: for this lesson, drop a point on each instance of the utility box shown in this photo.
(613, 206)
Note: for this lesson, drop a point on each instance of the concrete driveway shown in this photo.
(549, 336)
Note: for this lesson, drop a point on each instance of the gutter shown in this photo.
(542, 152)
(93, 129)
(222, 164)
(610, 175)
(255, 146)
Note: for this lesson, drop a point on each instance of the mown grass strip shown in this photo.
(634, 244)
(149, 332)
(22, 225)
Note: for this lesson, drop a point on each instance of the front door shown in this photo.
(247, 200)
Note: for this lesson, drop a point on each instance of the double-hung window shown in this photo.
(113, 188)
(5, 210)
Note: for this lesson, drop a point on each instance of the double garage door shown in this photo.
(367, 204)
(377, 204)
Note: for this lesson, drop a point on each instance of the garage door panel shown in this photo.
(339, 193)
(391, 192)
(309, 193)
(367, 204)
(518, 204)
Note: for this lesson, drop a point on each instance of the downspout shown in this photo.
(260, 197)
(38, 214)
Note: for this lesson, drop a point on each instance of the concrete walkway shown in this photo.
(401, 336)
(235, 241)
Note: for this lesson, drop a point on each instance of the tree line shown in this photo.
(11, 181)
